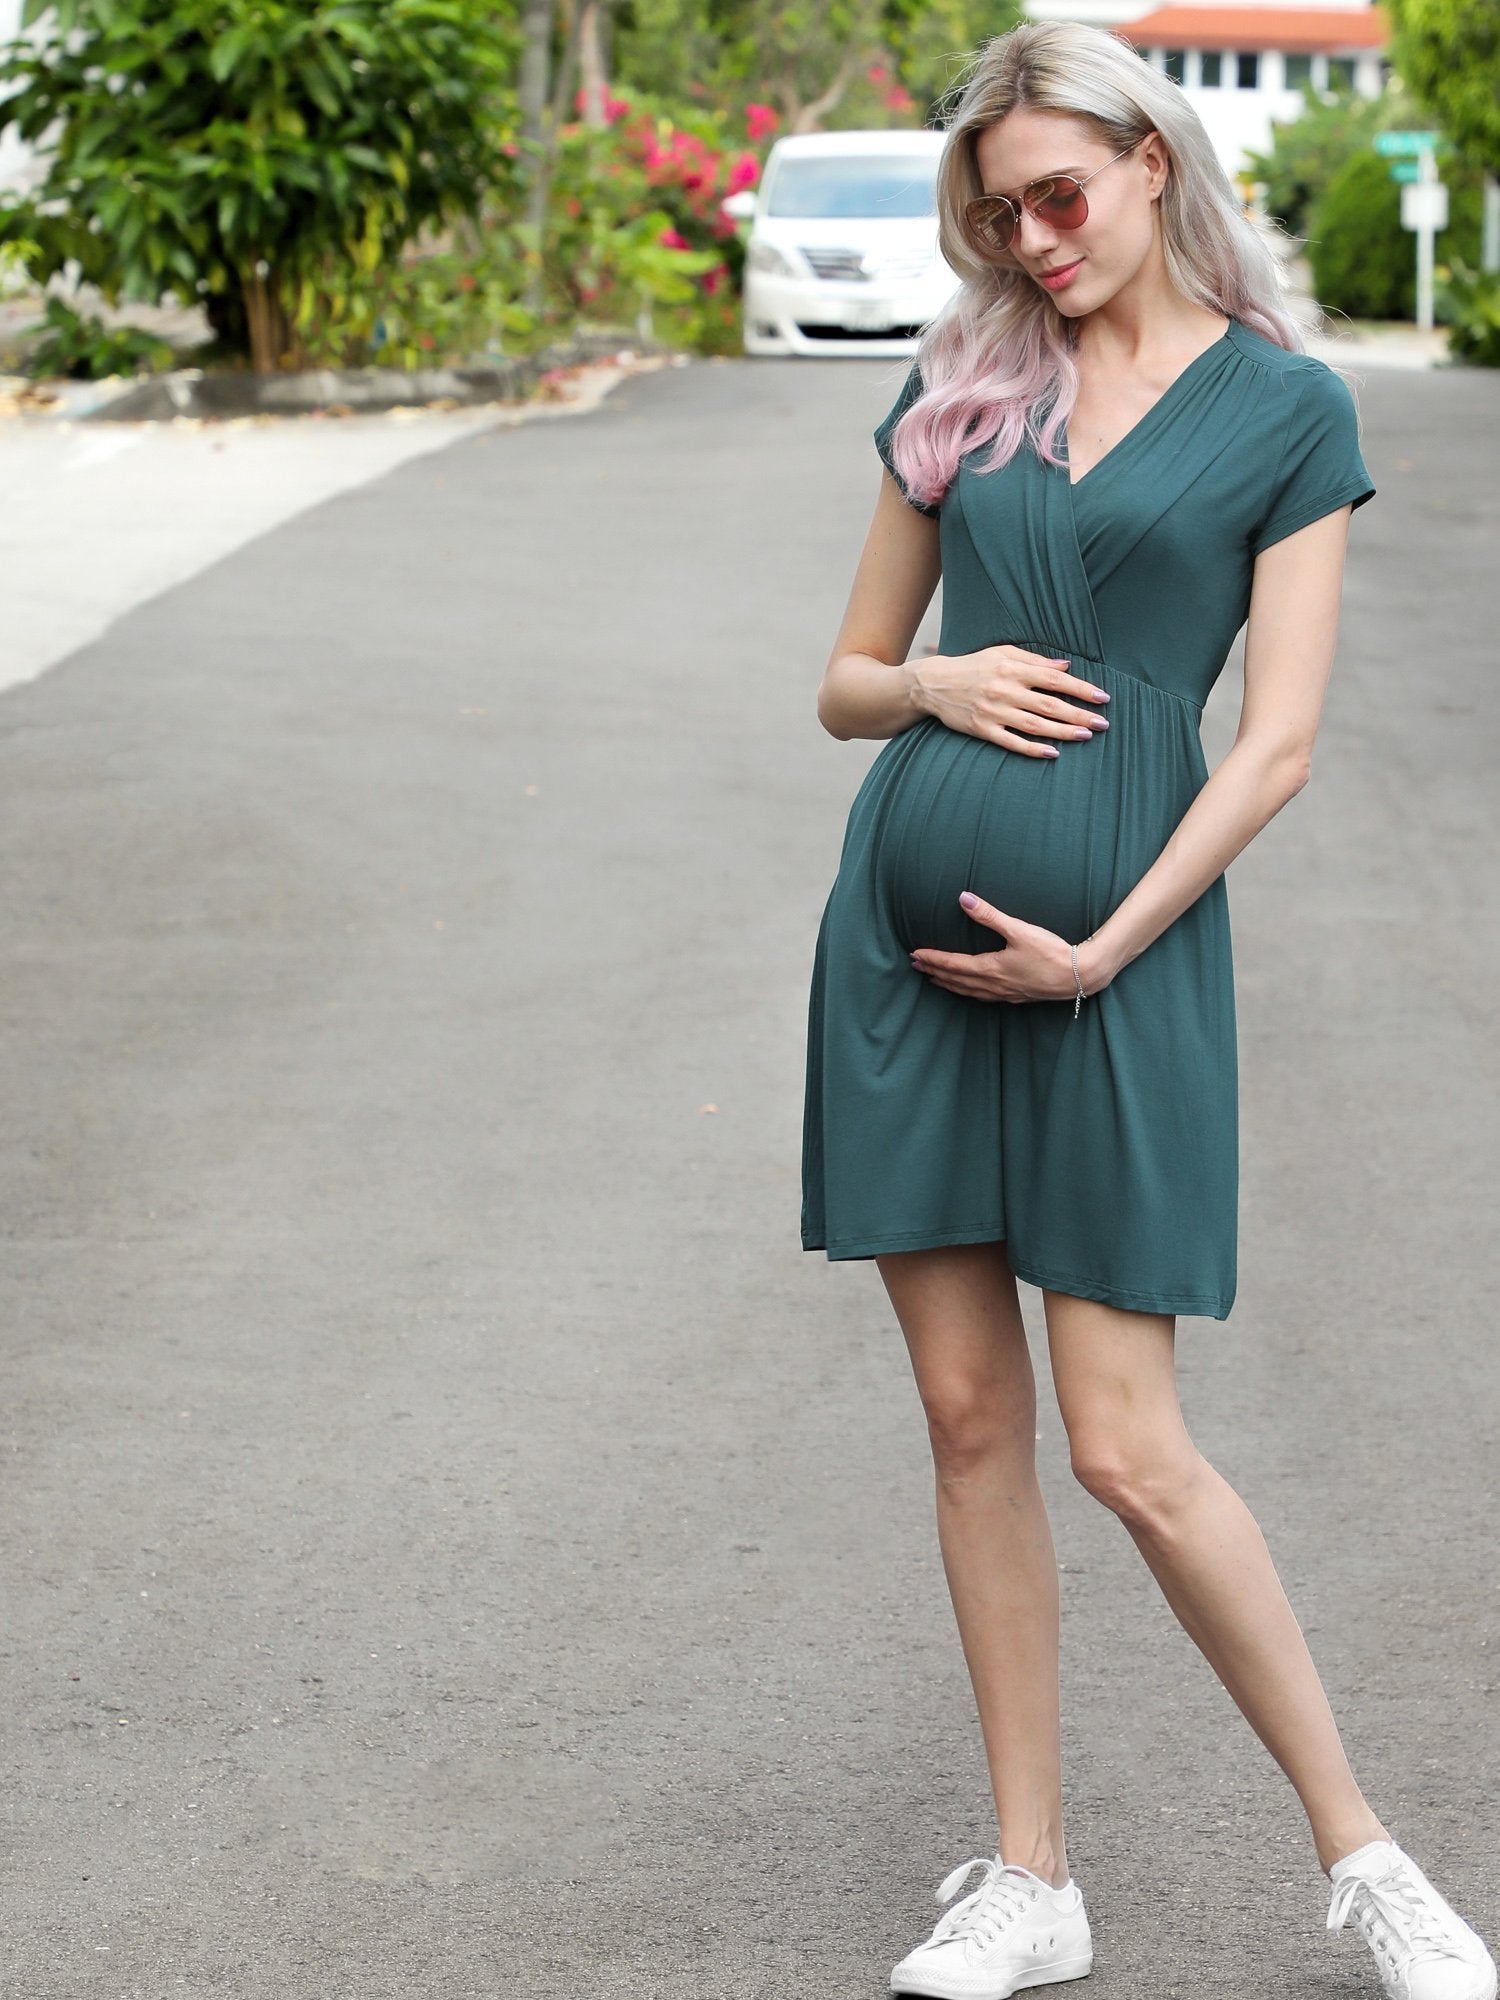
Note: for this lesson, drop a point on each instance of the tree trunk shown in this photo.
(537, 125)
(274, 346)
(591, 62)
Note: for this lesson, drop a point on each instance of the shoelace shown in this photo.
(1404, 1907)
(983, 1913)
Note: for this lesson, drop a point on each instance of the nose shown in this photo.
(1032, 237)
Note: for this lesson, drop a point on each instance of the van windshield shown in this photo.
(854, 186)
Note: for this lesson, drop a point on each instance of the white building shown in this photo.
(1242, 66)
(14, 157)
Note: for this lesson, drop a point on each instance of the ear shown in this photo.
(1157, 162)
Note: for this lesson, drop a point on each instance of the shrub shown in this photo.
(81, 346)
(265, 158)
(1363, 262)
(1470, 302)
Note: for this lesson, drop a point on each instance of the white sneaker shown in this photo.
(1424, 1949)
(1014, 1930)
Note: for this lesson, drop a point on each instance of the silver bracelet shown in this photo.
(1082, 996)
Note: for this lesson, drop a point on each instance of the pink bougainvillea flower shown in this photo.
(671, 239)
(877, 72)
(574, 205)
(760, 119)
(899, 99)
(745, 172)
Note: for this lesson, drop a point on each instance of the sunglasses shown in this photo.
(1056, 199)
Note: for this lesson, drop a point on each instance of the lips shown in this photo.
(1058, 269)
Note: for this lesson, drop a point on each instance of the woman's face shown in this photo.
(1113, 244)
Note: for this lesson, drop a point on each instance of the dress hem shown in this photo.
(1195, 1305)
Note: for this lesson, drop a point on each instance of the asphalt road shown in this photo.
(456, 1542)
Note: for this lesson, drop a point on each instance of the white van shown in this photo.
(843, 257)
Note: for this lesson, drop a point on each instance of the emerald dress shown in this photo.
(1103, 1149)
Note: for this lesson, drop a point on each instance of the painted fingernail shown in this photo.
(1083, 735)
(1099, 694)
(1101, 722)
(1051, 752)
(968, 899)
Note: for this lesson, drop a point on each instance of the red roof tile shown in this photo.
(1293, 29)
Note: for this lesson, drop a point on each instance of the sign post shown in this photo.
(1424, 203)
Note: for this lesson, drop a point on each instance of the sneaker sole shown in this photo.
(1065, 1968)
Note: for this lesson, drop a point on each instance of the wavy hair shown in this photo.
(997, 362)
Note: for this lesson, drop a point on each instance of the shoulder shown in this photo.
(1300, 380)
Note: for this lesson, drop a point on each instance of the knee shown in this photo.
(970, 1424)
(1147, 1487)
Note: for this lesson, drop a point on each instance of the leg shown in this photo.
(1116, 1386)
(962, 1322)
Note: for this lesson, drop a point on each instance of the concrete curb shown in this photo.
(194, 392)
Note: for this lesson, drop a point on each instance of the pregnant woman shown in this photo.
(1021, 1051)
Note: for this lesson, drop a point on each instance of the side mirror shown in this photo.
(741, 205)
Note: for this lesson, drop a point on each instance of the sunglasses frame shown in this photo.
(984, 206)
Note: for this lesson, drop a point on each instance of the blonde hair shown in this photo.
(997, 362)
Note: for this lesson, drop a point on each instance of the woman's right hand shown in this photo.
(1010, 697)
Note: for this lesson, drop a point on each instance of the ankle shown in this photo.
(1333, 1843)
(1042, 1860)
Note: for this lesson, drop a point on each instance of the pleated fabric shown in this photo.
(1103, 1150)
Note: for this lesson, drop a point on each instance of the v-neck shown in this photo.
(1214, 347)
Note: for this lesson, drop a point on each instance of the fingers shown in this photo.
(975, 976)
(1059, 676)
(1064, 712)
(1008, 739)
(983, 912)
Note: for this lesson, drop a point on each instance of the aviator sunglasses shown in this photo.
(1057, 199)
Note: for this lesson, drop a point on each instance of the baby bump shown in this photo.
(941, 812)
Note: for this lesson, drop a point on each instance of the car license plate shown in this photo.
(870, 315)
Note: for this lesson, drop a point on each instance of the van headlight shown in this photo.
(762, 256)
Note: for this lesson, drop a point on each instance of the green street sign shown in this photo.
(1406, 170)
(1395, 145)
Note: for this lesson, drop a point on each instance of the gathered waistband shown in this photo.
(1052, 648)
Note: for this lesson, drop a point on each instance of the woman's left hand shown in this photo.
(1030, 964)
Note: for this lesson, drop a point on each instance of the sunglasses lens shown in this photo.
(1060, 203)
(993, 224)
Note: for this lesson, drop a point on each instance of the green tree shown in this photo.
(266, 158)
(1308, 150)
(1448, 52)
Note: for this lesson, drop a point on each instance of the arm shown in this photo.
(868, 686)
(1289, 650)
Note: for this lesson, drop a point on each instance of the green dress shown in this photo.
(1104, 1149)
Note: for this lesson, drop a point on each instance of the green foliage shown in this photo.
(850, 63)
(1363, 262)
(264, 157)
(1307, 151)
(83, 347)
(1469, 303)
(638, 222)
(1448, 52)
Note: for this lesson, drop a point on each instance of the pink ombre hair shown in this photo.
(997, 362)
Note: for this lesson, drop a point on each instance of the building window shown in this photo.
(1341, 72)
(1212, 63)
(1247, 71)
(1298, 71)
(1176, 62)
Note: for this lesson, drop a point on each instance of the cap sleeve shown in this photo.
(1320, 468)
(911, 389)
